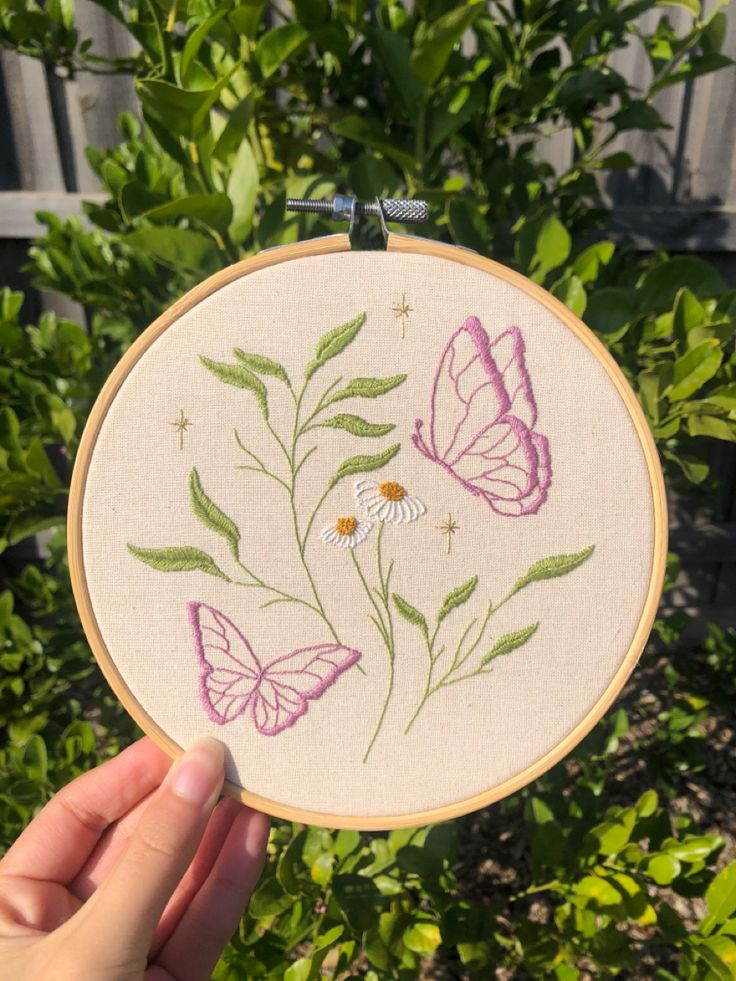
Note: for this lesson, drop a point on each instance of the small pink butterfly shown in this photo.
(233, 679)
(482, 419)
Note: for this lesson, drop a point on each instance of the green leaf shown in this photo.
(334, 342)
(195, 40)
(657, 290)
(392, 51)
(177, 111)
(134, 199)
(178, 558)
(598, 892)
(610, 311)
(240, 377)
(688, 314)
(210, 515)
(366, 388)
(637, 115)
(587, 265)
(724, 398)
(712, 426)
(262, 365)
(357, 896)
(214, 210)
(431, 54)
(242, 188)
(423, 938)
(721, 899)
(277, 45)
(176, 248)
(572, 293)
(369, 132)
(553, 245)
(694, 68)
(269, 899)
(662, 868)
(410, 613)
(692, 5)
(550, 568)
(509, 642)
(35, 760)
(457, 597)
(364, 464)
(451, 110)
(356, 425)
(694, 369)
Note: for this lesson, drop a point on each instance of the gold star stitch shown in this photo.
(181, 425)
(448, 528)
(401, 311)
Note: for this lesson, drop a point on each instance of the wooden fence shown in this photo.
(681, 196)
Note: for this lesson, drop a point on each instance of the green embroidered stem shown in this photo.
(261, 468)
(379, 623)
(318, 408)
(301, 540)
(284, 597)
(383, 594)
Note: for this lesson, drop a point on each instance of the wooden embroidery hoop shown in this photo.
(397, 244)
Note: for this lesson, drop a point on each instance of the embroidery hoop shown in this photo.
(397, 244)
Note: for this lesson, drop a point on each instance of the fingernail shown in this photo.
(198, 775)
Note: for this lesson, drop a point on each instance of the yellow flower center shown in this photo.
(391, 490)
(346, 526)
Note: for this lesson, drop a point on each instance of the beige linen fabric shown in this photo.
(471, 735)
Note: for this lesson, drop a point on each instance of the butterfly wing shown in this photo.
(482, 418)
(289, 682)
(230, 671)
(467, 391)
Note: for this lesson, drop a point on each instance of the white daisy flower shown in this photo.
(388, 501)
(346, 532)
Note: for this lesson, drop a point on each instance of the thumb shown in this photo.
(118, 922)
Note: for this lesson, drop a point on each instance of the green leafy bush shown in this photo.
(593, 870)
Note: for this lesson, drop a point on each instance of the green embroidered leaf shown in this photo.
(550, 568)
(364, 464)
(410, 613)
(178, 558)
(210, 515)
(240, 377)
(262, 365)
(333, 343)
(456, 598)
(357, 426)
(509, 642)
(366, 388)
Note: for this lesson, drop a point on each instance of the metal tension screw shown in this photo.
(344, 207)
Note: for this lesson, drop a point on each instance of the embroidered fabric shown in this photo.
(419, 594)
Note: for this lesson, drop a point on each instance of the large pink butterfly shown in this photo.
(482, 418)
(233, 679)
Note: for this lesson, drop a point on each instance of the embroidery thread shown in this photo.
(482, 421)
(449, 528)
(387, 503)
(548, 568)
(247, 373)
(401, 311)
(232, 679)
(181, 425)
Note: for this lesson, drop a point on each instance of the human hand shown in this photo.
(131, 872)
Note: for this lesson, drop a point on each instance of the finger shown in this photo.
(57, 843)
(214, 913)
(117, 922)
(218, 828)
(107, 851)
(113, 843)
